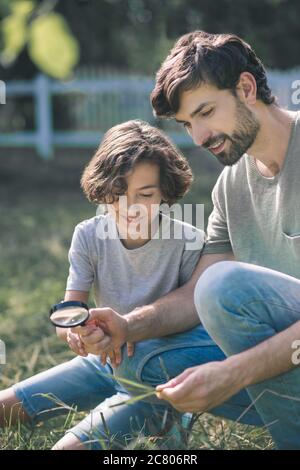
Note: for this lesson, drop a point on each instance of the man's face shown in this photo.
(218, 121)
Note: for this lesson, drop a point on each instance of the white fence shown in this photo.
(95, 104)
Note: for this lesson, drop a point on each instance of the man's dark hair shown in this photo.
(199, 57)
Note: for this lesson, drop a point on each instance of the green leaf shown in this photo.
(22, 8)
(14, 33)
(52, 47)
(14, 30)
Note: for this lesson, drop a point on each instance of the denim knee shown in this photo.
(217, 287)
(128, 368)
(139, 368)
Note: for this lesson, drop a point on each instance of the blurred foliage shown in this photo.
(136, 34)
(50, 43)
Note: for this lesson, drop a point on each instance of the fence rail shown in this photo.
(95, 104)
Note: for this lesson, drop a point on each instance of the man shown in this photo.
(246, 286)
(216, 86)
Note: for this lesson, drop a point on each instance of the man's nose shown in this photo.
(200, 134)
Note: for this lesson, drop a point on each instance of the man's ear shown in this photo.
(247, 88)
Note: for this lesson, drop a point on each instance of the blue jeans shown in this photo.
(86, 384)
(242, 305)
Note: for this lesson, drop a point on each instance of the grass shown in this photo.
(40, 203)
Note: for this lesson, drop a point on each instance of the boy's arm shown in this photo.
(173, 313)
(81, 296)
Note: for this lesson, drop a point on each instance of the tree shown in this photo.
(136, 34)
(50, 44)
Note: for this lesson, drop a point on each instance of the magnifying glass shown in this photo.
(68, 314)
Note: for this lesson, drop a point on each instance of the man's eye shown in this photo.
(207, 113)
(146, 195)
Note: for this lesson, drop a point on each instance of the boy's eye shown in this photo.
(146, 195)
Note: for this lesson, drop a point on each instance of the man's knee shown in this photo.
(217, 287)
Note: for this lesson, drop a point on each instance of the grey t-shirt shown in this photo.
(256, 217)
(124, 279)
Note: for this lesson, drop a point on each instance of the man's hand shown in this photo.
(104, 334)
(201, 388)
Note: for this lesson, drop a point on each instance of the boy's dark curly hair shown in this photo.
(123, 147)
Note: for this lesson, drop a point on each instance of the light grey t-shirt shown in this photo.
(124, 279)
(256, 217)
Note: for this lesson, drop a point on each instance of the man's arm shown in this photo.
(204, 387)
(268, 359)
(172, 313)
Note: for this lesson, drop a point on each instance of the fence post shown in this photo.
(43, 116)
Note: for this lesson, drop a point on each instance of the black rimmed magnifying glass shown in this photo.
(68, 314)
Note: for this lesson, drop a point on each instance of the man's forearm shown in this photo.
(268, 359)
(170, 314)
(173, 313)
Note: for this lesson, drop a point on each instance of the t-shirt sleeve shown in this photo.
(81, 272)
(190, 257)
(218, 240)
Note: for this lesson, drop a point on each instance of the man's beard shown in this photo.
(242, 137)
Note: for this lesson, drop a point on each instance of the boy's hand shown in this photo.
(75, 343)
(91, 338)
(116, 355)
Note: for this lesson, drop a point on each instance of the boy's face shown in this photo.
(218, 121)
(140, 203)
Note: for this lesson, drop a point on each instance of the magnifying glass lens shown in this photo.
(69, 314)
